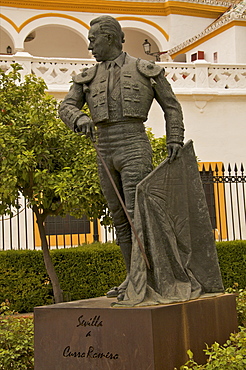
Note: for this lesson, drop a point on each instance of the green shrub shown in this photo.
(85, 272)
(23, 280)
(241, 303)
(241, 307)
(230, 356)
(5, 309)
(232, 260)
(88, 271)
(16, 343)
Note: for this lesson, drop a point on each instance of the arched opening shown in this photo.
(133, 45)
(6, 41)
(56, 42)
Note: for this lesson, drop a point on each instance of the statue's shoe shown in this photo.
(113, 292)
(118, 291)
(121, 294)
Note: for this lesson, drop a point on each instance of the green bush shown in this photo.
(232, 260)
(85, 272)
(16, 343)
(23, 280)
(230, 356)
(16, 340)
(88, 271)
(241, 307)
(241, 303)
(5, 309)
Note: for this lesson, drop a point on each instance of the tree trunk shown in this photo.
(58, 294)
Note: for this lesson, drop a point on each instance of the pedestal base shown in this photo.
(91, 335)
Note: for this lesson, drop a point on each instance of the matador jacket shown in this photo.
(140, 83)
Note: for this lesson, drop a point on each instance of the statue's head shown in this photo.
(106, 38)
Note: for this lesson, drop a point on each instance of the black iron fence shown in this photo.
(16, 231)
(20, 231)
(225, 194)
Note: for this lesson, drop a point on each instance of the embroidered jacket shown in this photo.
(140, 83)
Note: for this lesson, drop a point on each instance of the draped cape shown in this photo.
(172, 220)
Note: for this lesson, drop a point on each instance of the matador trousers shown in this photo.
(127, 153)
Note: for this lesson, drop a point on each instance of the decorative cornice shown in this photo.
(197, 8)
(228, 20)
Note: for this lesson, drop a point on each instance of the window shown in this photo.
(198, 55)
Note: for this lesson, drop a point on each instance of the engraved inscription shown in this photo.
(93, 321)
(90, 353)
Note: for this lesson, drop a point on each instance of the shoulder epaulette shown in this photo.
(86, 76)
(148, 69)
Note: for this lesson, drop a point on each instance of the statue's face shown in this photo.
(99, 44)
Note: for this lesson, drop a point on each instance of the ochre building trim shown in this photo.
(18, 29)
(128, 18)
(122, 7)
(53, 15)
(9, 21)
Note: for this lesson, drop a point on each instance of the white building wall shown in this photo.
(218, 131)
(182, 27)
(240, 51)
(216, 124)
(224, 44)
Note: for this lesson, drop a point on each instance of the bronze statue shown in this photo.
(119, 91)
(119, 96)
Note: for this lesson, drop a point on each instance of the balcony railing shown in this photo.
(185, 78)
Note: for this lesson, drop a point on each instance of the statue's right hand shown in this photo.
(85, 126)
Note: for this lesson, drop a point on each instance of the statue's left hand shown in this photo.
(173, 150)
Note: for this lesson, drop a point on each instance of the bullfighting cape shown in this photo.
(172, 221)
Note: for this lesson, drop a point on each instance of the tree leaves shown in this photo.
(40, 157)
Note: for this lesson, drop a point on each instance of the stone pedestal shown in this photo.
(91, 335)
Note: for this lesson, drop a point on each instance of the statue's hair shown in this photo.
(110, 26)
